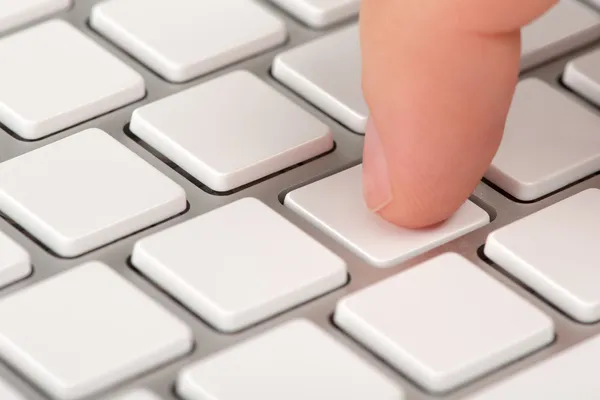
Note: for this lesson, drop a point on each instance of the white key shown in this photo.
(444, 323)
(320, 13)
(63, 79)
(569, 25)
(85, 330)
(195, 36)
(582, 75)
(327, 73)
(7, 392)
(572, 374)
(15, 263)
(14, 13)
(295, 361)
(335, 205)
(231, 131)
(562, 268)
(549, 142)
(85, 191)
(140, 394)
(246, 274)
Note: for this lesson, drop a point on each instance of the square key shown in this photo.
(231, 131)
(554, 252)
(327, 72)
(85, 191)
(336, 206)
(63, 78)
(320, 13)
(86, 330)
(183, 39)
(295, 361)
(15, 263)
(444, 323)
(14, 13)
(550, 141)
(239, 264)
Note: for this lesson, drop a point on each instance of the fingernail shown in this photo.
(376, 183)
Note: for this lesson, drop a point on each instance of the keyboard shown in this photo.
(181, 215)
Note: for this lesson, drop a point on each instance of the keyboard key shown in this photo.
(562, 268)
(9, 393)
(140, 394)
(444, 323)
(569, 25)
(320, 13)
(295, 361)
(63, 79)
(572, 374)
(335, 205)
(85, 330)
(231, 131)
(327, 73)
(549, 141)
(15, 263)
(582, 76)
(85, 191)
(227, 31)
(14, 13)
(246, 274)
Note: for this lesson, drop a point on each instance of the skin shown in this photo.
(438, 77)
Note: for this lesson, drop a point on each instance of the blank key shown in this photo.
(85, 191)
(85, 330)
(14, 13)
(295, 361)
(554, 251)
(335, 205)
(183, 39)
(572, 374)
(320, 13)
(550, 140)
(15, 262)
(569, 25)
(62, 79)
(239, 264)
(231, 131)
(327, 73)
(582, 75)
(444, 323)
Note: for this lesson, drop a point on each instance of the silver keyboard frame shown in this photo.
(347, 152)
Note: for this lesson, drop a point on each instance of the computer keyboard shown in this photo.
(181, 215)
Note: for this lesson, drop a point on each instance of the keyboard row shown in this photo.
(466, 325)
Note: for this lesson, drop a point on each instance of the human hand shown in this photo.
(438, 77)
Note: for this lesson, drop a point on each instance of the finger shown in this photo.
(438, 77)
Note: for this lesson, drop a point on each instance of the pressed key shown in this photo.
(231, 131)
(567, 26)
(85, 191)
(335, 205)
(183, 39)
(86, 330)
(571, 374)
(7, 392)
(550, 141)
(295, 361)
(15, 263)
(239, 264)
(444, 322)
(14, 13)
(582, 75)
(139, 394)
(320, 13)
(62, 79)
(554, 251)
(327, 73)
